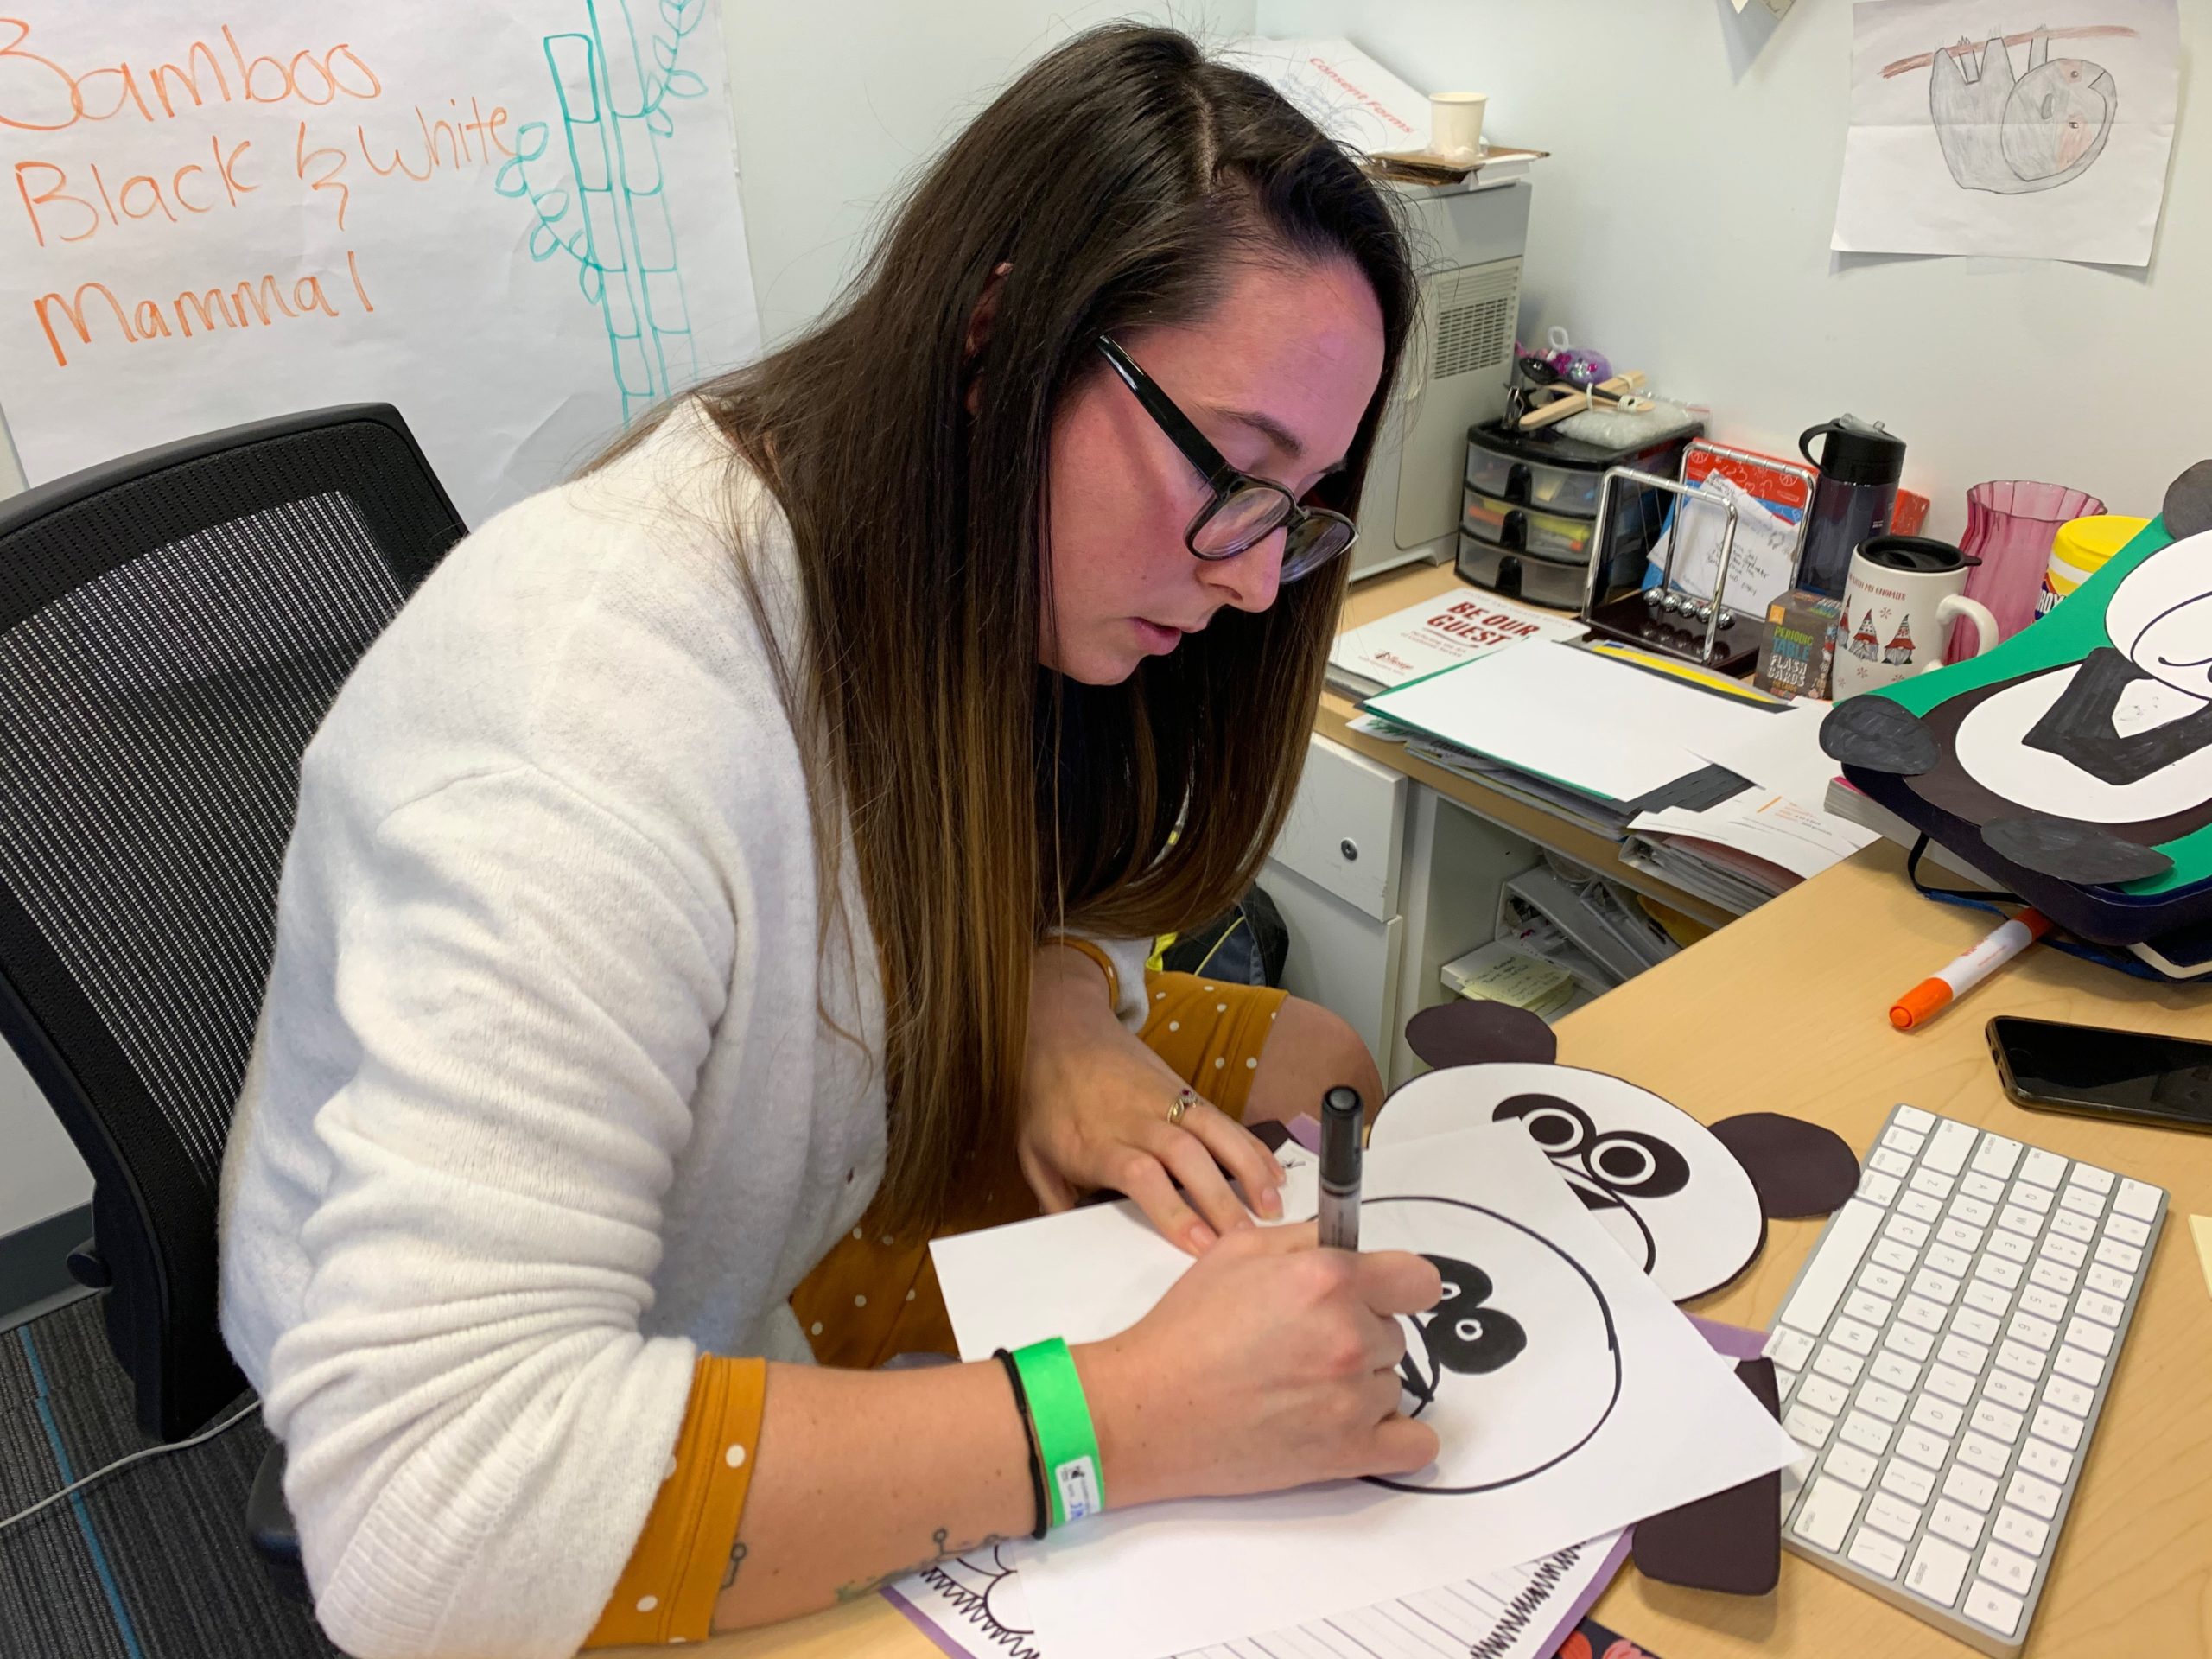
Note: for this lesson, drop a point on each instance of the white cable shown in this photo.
(237, 1416)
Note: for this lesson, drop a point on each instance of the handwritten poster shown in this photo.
(2004, 127)
(515, 220)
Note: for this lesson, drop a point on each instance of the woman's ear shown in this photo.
(981, 320)
(1466, 1032)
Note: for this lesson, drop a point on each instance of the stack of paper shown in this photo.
(1437, 634)
(1594, 734)
(1744, 851)
(973, 1607)
(1569, 918)
(1741, 852)
(1720, 791)
(1612, 1409)
(1498, 972)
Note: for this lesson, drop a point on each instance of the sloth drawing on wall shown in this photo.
(2011, 132)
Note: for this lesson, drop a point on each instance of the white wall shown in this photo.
(40, 1174)
(877, 87)
(1681, 226)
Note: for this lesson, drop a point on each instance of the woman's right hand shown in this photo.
(1269, 1363)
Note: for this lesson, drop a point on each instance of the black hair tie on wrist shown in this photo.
(1028, 1438)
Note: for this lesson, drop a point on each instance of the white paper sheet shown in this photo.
(975, 1607)
(1570, 1439)
(1340, 89)
(1453, 627)
(2049, 151)
(407, 203)
(1779, 752)
(1762, 564)
(1556, 711)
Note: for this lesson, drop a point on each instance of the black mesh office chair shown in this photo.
(173, 627)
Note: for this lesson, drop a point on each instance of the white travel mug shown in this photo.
(1899, 600)
(1455, 125)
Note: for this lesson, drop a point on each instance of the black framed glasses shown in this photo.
(1241, 510)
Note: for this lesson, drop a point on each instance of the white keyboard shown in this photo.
(1944, 1359)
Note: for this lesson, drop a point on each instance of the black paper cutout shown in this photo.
(2088, 854)
(1879, 735)
(2188, 508)
(2078, 728)
(1731, 1541)
(1800, 1169)
(1468, 1032)
(1464, 1333)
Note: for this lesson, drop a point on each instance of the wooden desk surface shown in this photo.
(1377, 598)
(1786, 1010)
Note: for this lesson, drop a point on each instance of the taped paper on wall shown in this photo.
(516, 224)
(1979, 126)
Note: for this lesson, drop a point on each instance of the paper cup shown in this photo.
(1455, 124)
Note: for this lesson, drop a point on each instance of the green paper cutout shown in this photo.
(2067, 635)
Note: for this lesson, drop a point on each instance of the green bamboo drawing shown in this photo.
(610, 213)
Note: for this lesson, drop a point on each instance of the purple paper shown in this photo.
(1306, 1129)
(1582, 1603)
(1730, 1340)
(926, 1625)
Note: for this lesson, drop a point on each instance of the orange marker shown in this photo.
(1929, 998)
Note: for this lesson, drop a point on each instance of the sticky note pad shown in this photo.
(2200, 1228)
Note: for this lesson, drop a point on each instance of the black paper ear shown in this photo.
(1799, 1169)
(1879, 735)
(1464, 1032)
(1731, 1542)
(2188, 508)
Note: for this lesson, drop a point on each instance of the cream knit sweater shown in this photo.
(541, 1105)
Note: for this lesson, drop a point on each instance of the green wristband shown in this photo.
(1066, 1439)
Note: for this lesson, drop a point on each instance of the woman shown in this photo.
(701, 870)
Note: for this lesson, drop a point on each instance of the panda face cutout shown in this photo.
(1516, 1365)
(1675, 1198)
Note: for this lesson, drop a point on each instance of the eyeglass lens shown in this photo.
(1243, 517)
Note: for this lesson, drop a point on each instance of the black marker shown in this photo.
(1342, 1121)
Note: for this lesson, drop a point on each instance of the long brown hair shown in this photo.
(1118, 181)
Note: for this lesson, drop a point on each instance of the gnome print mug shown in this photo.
(1898, 603)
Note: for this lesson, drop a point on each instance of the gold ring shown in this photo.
(1184, 1101)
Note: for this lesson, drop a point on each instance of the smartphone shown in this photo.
(2101, 1073)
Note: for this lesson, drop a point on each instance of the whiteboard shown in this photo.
(518, 223)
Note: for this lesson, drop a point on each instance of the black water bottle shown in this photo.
(1860, 467)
